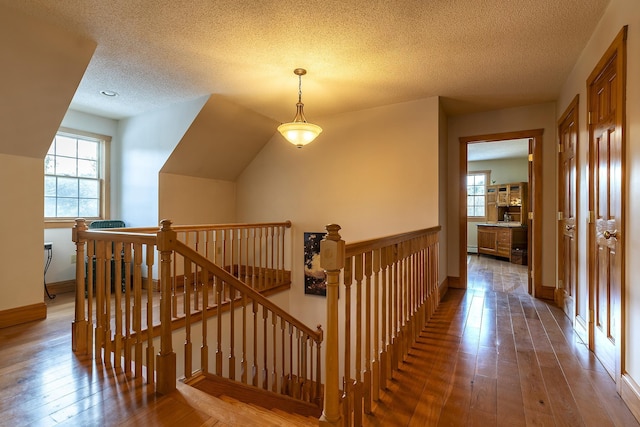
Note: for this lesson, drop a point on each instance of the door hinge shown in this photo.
(591, 218)
(560, 148)
(591, 316)
(530, 214)
(589, 117)
(531, 157)
(560, 216)
(560, 284)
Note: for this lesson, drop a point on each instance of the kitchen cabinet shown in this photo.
(500, 240)
(510, 199)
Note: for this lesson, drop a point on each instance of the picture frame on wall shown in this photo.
(314, 275)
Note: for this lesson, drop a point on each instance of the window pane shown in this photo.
(65, 146)
(87, 149)
(49, 206)
(480, 201)
(87, 168)
(88, 208)
(89, 188)
(50, 186)
(470, 180)
(480, 179)
(469, 201)
(67, 187)
(52, 148)
(66, 166)
(67, 208)
(49, 165)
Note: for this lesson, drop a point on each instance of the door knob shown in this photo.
(609, 234)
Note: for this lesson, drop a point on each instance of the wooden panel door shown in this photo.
(573, 305)
(606, 135)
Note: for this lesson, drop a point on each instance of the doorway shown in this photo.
(534, 202)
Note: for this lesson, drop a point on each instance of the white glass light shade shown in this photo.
(299, 133)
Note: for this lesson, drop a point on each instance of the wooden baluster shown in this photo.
(278, 274)
(283, 360)
(265, 341)
(137, 308)
(404, 307)
(397, 301)
(348, 378)
(117, 338)
(254, 367)
(232, 332)
(297, 377)
(166, 358)
(188, 345)
(384, 344)
(150, 350)
(79, 326)
(302, 367)
(274, 374)
(100, 320)
(262, 254)
(91, 303)
(309, 388)
(253, 260)
(238, 235)
(106, 343)
(332, 260)
(393, 315)
(204, 348)
(318, 378)
(219, 294)
(375, 367)
(290, 375)
(271, 270)
(128, 341)
(368, 259)
(174, 286)
(243, 363)
(358, 389)
(247, 243)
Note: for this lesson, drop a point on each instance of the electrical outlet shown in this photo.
(73, 259)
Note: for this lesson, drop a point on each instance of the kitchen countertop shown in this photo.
(511, 224)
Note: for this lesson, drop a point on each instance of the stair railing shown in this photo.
(122, 311)
(396, 292)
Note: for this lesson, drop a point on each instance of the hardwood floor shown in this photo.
(493, 356)
(490, 356)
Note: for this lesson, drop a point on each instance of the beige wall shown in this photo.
(539, 116)
(21, 225)
(188, 200)
(618, 14)
(374, 172)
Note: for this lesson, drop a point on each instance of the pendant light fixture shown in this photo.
(299, 132)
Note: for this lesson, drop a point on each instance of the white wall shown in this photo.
(22, 190)
(62, 268)
(146, 142)
(618, 14)
(373, 172)
(539, 116)
(189, 200)
(503, 171)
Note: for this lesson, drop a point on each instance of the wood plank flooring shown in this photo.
(491, 356)
(494, 356)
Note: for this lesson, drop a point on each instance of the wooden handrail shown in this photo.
(360, 247)
(229, 226)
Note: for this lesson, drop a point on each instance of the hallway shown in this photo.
(493, 356)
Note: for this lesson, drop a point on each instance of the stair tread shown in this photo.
(276, 415)
(227, 412)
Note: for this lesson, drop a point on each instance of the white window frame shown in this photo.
(103, 177)
(487, 182)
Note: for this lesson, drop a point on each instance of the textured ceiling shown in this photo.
(478, 55)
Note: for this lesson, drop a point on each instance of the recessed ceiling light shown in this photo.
(108, 93)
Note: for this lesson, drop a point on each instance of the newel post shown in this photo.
(79, 325)
(332, 252)
(166, 358)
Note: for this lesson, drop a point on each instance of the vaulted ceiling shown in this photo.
(477, 55)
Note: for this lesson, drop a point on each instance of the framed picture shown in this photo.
(314, 276)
